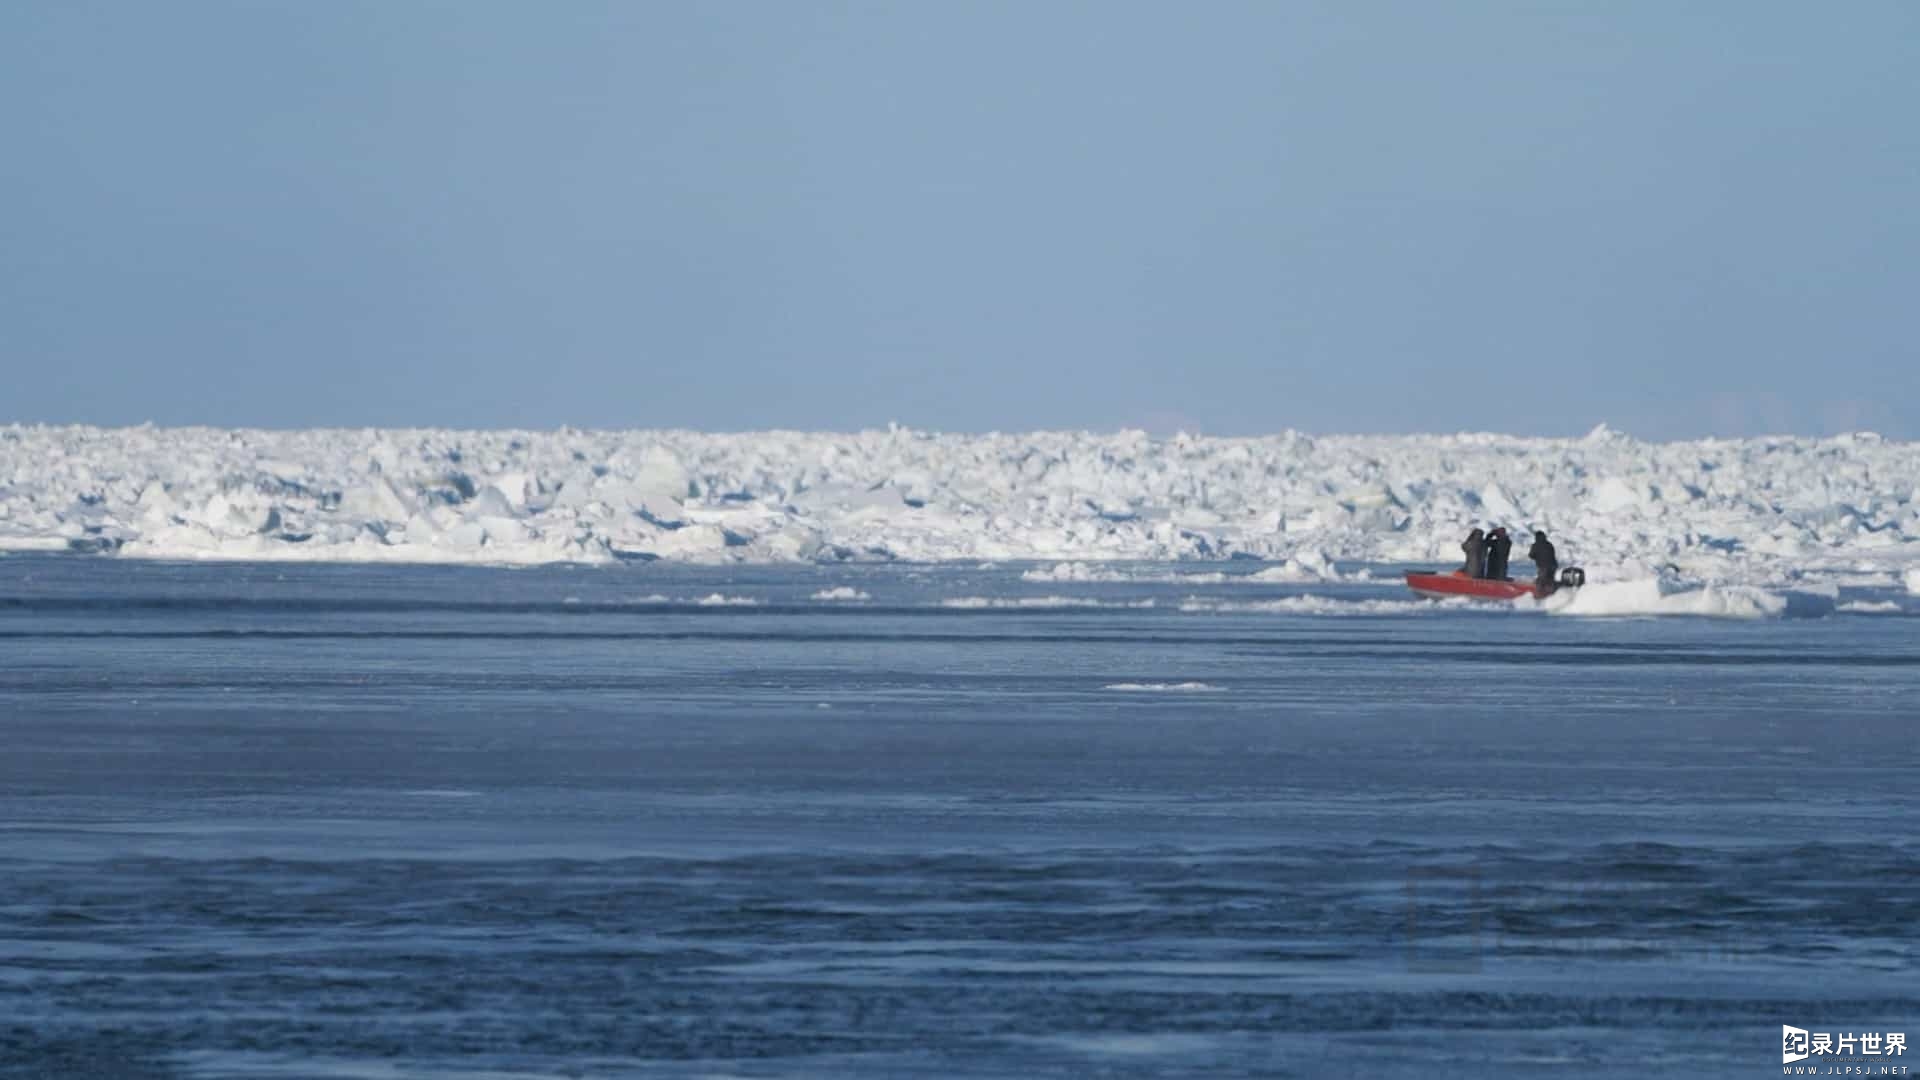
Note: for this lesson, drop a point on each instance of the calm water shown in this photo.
(264, 821)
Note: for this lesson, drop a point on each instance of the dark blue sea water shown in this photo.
(264, 821)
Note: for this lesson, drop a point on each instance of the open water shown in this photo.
(285, 821)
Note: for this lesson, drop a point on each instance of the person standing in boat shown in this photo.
(1546, 562)
(1476, 549)
(1499, 551)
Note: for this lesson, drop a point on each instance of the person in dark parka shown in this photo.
(1476, 549)
(1499, 551)
(1545, 560)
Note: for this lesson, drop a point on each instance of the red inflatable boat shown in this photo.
(1438, 586)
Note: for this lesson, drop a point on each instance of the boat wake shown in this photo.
(1653, 597)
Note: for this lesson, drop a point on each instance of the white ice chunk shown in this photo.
(1871, 607)
(376, 499)
(1328, 605)
(1073, 572)
(1016, 602)
(1613, 496)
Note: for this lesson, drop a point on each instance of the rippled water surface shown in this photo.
(264, 821)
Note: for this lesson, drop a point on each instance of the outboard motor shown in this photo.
(1572, 577)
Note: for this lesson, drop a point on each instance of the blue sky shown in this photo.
(1680, 219)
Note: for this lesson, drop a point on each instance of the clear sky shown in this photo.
(1365, 215)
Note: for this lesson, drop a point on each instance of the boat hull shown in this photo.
(1438, 586)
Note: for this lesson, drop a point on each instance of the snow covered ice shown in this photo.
(1772, 512)
(842, 592)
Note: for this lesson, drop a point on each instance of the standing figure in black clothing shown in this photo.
(1499, 550)
(1476, 549)
(1546, 560)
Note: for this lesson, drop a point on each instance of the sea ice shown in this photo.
(1871, 607)
(1068, 572)
(1327, 605)
(1767, 513)
(980, 603)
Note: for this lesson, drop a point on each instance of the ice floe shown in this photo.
(1311, 604)
(1070, 572)
(976, 603)
(723, 600)
(1770, 513)
(1871, 607)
